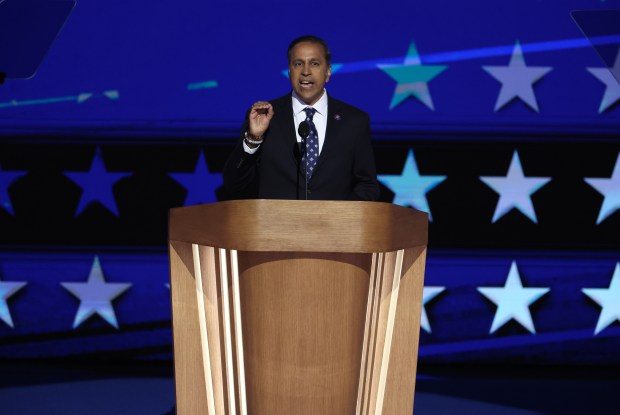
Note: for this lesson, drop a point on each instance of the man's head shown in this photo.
(309, 67)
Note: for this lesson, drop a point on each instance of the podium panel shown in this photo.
(275, 331)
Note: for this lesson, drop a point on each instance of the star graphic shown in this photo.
(513, 301)
(95, 296)
(96, 185)
(429, 294)
(517, 79)
(608, 299)
(610, 189)
(7, 289)
(7, 178)
(412, 78)
(201, 184)
(515, 190)
(611, 78)
(410, 187)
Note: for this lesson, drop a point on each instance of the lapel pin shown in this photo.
(337, 117)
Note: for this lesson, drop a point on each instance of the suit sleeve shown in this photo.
(366, 186)
(240, 172)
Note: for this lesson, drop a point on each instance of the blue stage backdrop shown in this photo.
(154, 67)
(499, 119)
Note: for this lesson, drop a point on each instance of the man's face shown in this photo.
(308, 71)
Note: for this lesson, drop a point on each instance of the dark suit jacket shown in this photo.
(345, 169)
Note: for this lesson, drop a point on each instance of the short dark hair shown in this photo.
(311, 39)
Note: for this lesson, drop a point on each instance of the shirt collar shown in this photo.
(320, 106)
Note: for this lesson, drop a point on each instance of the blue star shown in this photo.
(7, 178)
(429, 294)
(611, 78)
(412, 78)
(515, 190)
(95, 296)
(410, 187)
(201, 184)
(608, 299)
(610, 189)
(7, 289)
(513, 301)
(96, 185)
(517, 79)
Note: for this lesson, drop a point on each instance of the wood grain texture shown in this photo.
(189, 376)
(307, 317)
(210, 278)
(399, 391)
(314, 330)
(275, 225)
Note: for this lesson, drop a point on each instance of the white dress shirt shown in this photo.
(299, 116)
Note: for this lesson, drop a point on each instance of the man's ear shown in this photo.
(329, 73)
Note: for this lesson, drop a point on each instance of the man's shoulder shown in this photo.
(338, 106)
(283, 100)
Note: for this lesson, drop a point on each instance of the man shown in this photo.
(271, 160)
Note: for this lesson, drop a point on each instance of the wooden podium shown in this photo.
(296, 307)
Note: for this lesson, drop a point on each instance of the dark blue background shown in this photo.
(151, 52)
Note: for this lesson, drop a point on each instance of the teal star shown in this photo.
(410, 187)
(412, 78)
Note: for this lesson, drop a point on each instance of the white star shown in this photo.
(513, 301)
(611, 78)
(515, 190)
(7, 289)
(429, 294)
(610, 189)
(95, 296)
(410, 187)
(517, 79)
(608, 299)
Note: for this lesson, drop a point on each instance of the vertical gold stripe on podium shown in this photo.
(234, 271)
(385, 361)
(367, 336)
(230, 371)
(204, 336)
(372, 340)
(210, 279)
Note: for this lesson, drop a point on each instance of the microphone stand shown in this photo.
(304, 131)
(303, 143)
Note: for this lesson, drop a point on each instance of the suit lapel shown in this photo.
(332, 131)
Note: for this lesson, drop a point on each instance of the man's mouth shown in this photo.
(306, 84)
